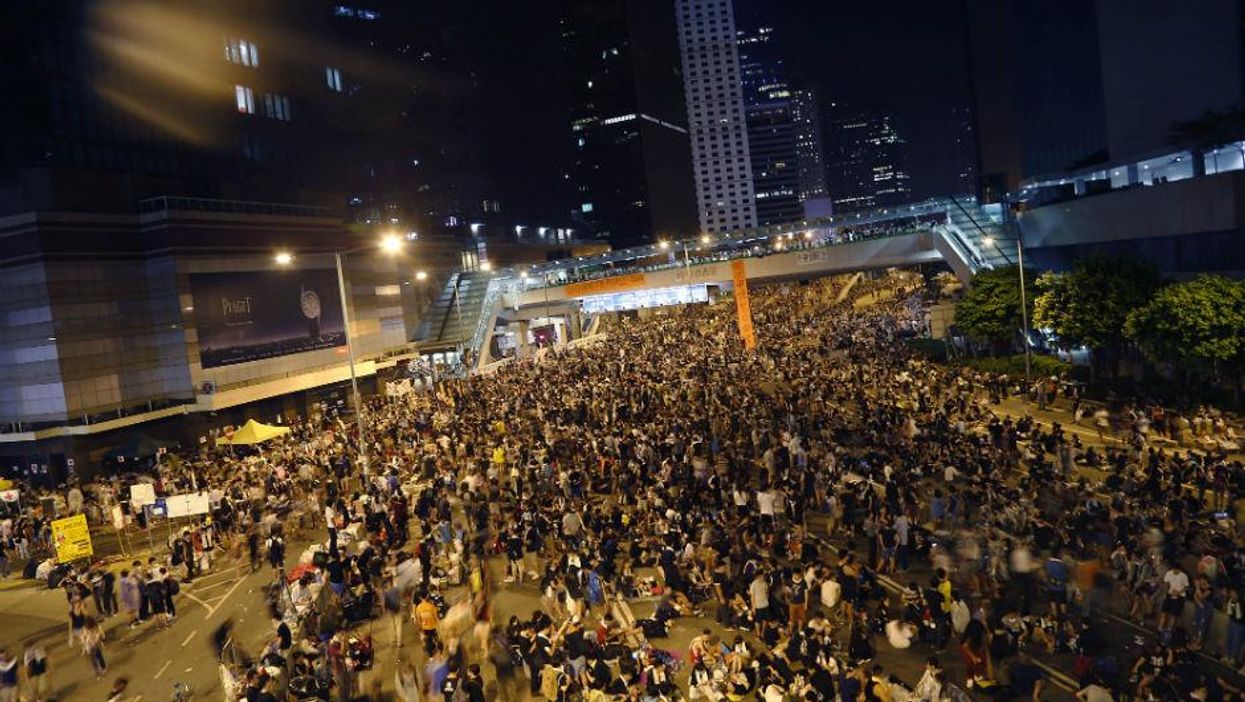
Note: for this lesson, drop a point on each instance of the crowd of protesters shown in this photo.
(809, 508)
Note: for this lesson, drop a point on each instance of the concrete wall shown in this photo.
(1197, 205)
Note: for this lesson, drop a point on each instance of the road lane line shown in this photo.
(162, 669)
(188, 638)
(209, 587)
(196, 599)
(225, 597)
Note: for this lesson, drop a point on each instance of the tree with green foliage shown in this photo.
(1088, 305)
(1198, 324)
(990, 310)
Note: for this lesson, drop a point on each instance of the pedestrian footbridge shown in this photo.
(958, 231)
(553, 301)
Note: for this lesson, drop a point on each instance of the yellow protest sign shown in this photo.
(72, 538)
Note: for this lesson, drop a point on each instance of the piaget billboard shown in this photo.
(251, 315)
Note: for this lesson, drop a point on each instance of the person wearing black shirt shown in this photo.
(514, 555)
(473, 684)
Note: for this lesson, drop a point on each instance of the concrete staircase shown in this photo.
(975, 237)
(451, 320)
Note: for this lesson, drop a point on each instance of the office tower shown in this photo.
(1065, 85)
(810, 152)
(633, 169)
(418, 116)
(717, 123)
(1037, 87)
(965, 149)
(113, 103)
(771, 131)
(867, 163)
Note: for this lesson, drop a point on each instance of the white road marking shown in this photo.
(162, 669)
(225, 597)
(209, 587)
(196, 599)
(188, 638)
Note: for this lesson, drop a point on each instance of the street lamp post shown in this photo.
(390, 245)
(354, 379)
(1024, 306)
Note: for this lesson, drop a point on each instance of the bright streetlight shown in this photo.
(391, 244)
(486, 266)
(421, 275)
(284, 258)
(663, 244)
(704, 239)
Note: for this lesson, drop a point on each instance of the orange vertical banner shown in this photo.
(743, 306)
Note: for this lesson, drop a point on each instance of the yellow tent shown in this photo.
(252, 433)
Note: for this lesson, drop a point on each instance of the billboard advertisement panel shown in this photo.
(251, 315)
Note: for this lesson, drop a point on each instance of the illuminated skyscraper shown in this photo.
(632, 171)
(867, 163)
(717, 123)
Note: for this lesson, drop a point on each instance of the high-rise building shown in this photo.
(1037, 87)
(1064, 85)
(717, 123)
(867, 163)
(771, 129)
(810, 151)
(761, 71)
(775, 163)
(965, 149)
(349, 106)
(633, 170)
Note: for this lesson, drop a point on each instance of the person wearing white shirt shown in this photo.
(1177, 587)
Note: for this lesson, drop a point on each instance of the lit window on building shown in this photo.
(360, 13)
(277, 107)
(333, 78)
(586, 207)
(242, 52)
(245, 99)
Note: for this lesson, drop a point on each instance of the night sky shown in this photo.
(905, 57)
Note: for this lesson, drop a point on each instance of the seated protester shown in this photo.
(877, 686)
(899, 634)
(741, 613)
(819, 624)
(1026, 680)
(1006, 637)
(657, 677)
(739, 655)
(598, 674)
(860, 644)
(822, 680)
(929, 688)
(701, 684)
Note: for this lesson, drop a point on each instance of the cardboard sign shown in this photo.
(9, 495)
(142, 494)
(186, 505)
(118, 517)
(72, 538)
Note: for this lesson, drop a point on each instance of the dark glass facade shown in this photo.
(632, 168)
